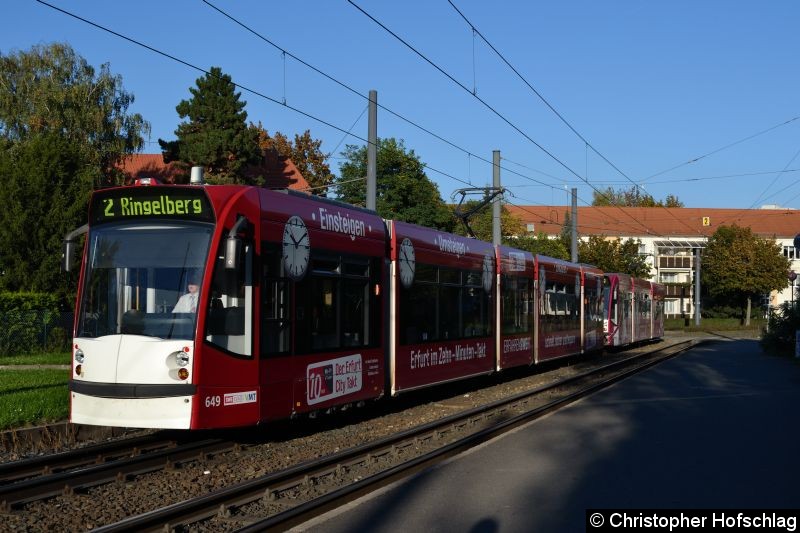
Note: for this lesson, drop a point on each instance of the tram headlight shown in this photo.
(79, 357)
(178, 359)
(182, 358)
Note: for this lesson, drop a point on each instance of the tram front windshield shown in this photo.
(135, 277)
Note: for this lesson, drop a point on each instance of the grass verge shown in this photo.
(33, 396)
(64, 358)
(714, 324)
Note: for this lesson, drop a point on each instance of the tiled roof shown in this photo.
(137, 166)
(665, 222)
(280, 172)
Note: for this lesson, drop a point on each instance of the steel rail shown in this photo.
(218, 502)
(47, 486)
(317, 506)
(46, 464)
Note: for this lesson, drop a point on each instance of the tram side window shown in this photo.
(275, 322)
(419, 307)
(594, 303)
(443, 304)
(354, 296)
(646, 306)
(450, 303)
(627, 305)
(559, 307)
(516, 305)
(549, 307)
(609, 301)
(658, 309)
(230, 314)
(335, 308)
(475, 312)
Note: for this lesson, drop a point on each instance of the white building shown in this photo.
(669, 237)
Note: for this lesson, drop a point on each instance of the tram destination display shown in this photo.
(116, 205)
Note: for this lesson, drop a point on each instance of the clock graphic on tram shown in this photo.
(488, 272)
(407, 261)
(296, 247)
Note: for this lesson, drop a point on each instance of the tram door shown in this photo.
(229, 393)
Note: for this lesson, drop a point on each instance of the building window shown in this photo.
(789, 252)
(668, 277)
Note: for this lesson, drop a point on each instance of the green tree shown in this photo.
(672, 201)
(306, 154)
(44, 191)
(216, 135)
(403, 191)
(52, 89)
(63, 126)
(740, 265)
(633, 197)
(541, 244)
(482, 222)
(614, 255)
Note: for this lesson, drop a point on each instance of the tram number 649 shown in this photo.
(213, 401)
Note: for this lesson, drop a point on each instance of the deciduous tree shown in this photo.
(63, 126)
(541, 244)
(740, 265)
(614, 255)
(52, 89)
(482, 222)
(404, 191)
(633, 197)
(306, 154)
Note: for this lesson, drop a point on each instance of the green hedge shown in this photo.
(779, 336)
(30, 322)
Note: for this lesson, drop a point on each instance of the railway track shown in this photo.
(43, 477)
(283, 499)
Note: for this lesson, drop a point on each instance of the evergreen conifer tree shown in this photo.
(216, 135)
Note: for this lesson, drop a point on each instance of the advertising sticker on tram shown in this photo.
(333, 378)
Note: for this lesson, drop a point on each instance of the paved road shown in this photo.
(715, 427)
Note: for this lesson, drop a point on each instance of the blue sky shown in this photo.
(649, 85)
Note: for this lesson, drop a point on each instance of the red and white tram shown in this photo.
(592, 324)
(634, 310)
(516, 308)
(559, 309)
(288, 318)
(441, 318)
(222, 306)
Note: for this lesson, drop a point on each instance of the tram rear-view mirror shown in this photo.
(233, 253)
(68, 253)
(68, 256)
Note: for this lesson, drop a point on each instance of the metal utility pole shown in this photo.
(496, 201)
(372, 149)
(697, 286)
(574, 221)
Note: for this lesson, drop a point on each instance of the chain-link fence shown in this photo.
(35, 330)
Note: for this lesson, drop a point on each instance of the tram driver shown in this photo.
(188, 302)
